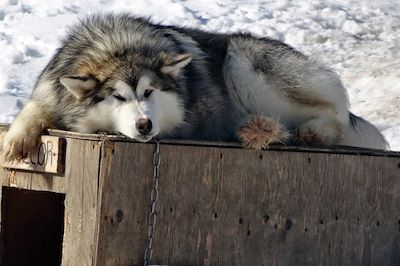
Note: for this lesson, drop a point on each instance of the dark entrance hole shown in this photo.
(32, 227)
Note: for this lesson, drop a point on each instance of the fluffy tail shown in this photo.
(361, 133)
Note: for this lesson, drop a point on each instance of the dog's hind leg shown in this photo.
(268, 77)
(23, 135)
(259, 131)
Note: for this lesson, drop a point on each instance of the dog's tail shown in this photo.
(361, 133)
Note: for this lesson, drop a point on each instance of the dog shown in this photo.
(125, 75)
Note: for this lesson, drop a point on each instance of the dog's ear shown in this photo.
(172, 65)
(79, 86)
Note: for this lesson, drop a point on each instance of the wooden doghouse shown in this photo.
(217, 204)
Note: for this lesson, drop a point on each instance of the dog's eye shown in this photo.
(97, 99)
(119, 97)
(147, 93)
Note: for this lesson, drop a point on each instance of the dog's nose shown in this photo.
(144, 126)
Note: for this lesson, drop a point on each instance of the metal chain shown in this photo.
(148, 252)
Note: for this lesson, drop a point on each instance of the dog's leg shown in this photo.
(258, 132)
(24, 133)
(320, 131)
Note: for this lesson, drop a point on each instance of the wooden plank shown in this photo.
(49, 157)
(237, 145)
(26, 179)
(32, 181)
(221, 206)
(81, 185)
(16, 179)
(237, 207)
(201, 143)
(124, 203)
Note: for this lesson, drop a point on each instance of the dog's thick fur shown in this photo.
(122, 74)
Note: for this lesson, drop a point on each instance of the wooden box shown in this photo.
(217, 204)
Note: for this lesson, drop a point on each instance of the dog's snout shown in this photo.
(144, 126)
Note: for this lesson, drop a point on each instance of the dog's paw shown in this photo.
(261, 131)
(17, 145)
(309, 135)
(314, 132)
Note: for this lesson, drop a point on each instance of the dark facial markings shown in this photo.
(96, 99)
(147, 93)
(119, 97)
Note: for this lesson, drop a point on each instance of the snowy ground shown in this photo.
(361, 41)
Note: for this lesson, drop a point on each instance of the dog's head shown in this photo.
(138, 100)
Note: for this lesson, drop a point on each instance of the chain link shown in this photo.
(148, 252)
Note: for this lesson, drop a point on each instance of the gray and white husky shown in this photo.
(123, 74)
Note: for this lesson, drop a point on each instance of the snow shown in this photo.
(360, 40)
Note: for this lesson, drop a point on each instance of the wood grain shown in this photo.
(222, 205)
(239, 207)
(81, 186)
(126, 174)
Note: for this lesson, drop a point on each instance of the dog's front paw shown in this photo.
(261, 131)
(17, 145)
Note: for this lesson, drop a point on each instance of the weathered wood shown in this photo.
(124, 204)
(235, 207)
(222, 205)
(48, 157)
(202, 143)
(81, 183)
(31, 180)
